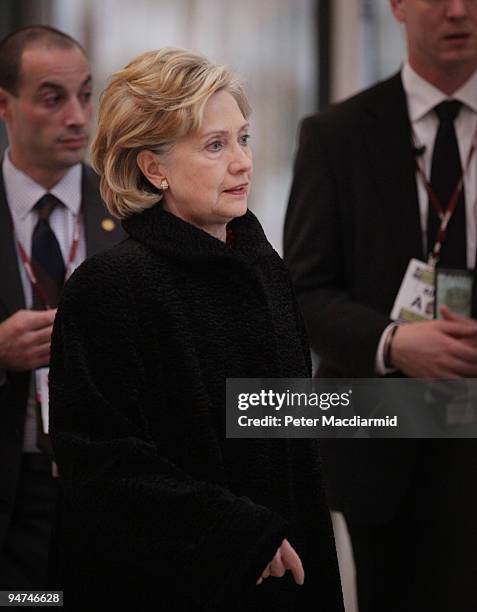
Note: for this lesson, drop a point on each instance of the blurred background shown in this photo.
(296, 57)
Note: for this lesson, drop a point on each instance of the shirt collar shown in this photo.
(23, 192)
(423, 97)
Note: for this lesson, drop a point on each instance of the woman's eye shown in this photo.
(244, 139)
(215, 146)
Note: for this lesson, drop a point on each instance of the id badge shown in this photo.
(460, 412)
(415, 299)
(41, 385)
(454, 290)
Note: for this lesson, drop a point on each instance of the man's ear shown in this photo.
(4, 104)
(151, 167)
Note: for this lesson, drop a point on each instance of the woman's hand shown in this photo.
(285, 559)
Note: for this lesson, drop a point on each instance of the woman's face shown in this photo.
(209, 172)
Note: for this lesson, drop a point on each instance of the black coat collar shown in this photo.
(167, 234)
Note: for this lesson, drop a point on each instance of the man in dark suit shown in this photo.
(358, 213)
(51, 214)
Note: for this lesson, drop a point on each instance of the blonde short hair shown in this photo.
(157, 98)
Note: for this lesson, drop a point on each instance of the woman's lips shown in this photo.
(240, 190)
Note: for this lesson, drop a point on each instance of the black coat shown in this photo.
(161, 509)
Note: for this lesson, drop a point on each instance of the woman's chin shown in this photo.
(238, 209)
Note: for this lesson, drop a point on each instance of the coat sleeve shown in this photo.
(345, 333)
(144, 509)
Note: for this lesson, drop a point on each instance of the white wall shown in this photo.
(368, 45)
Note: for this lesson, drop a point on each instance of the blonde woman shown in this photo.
(161, 510)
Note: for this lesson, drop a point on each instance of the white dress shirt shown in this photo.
(422, 97)
(22, 194)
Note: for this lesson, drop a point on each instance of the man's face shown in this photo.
(48, 120)
(441, 34)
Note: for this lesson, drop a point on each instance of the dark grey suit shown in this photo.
(351, 228)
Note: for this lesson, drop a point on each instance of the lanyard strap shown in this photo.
(444, 214)
(26, 261)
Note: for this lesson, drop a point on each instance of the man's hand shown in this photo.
(285, 559)
(25, 339)
(445, 348)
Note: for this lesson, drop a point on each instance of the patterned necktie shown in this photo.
(445, 172)
(46, 258)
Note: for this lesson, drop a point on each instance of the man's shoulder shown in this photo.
(102, 230)
(349, 112)
(90, 173)
(90, 183)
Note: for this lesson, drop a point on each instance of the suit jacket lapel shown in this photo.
(11, 290)
(91, 207)
(391, 151)
(99, 235)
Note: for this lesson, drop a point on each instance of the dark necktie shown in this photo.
(49, 268)
(446, 170)
(46, 258)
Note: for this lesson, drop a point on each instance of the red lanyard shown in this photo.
(444, 214)
(37, 288)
